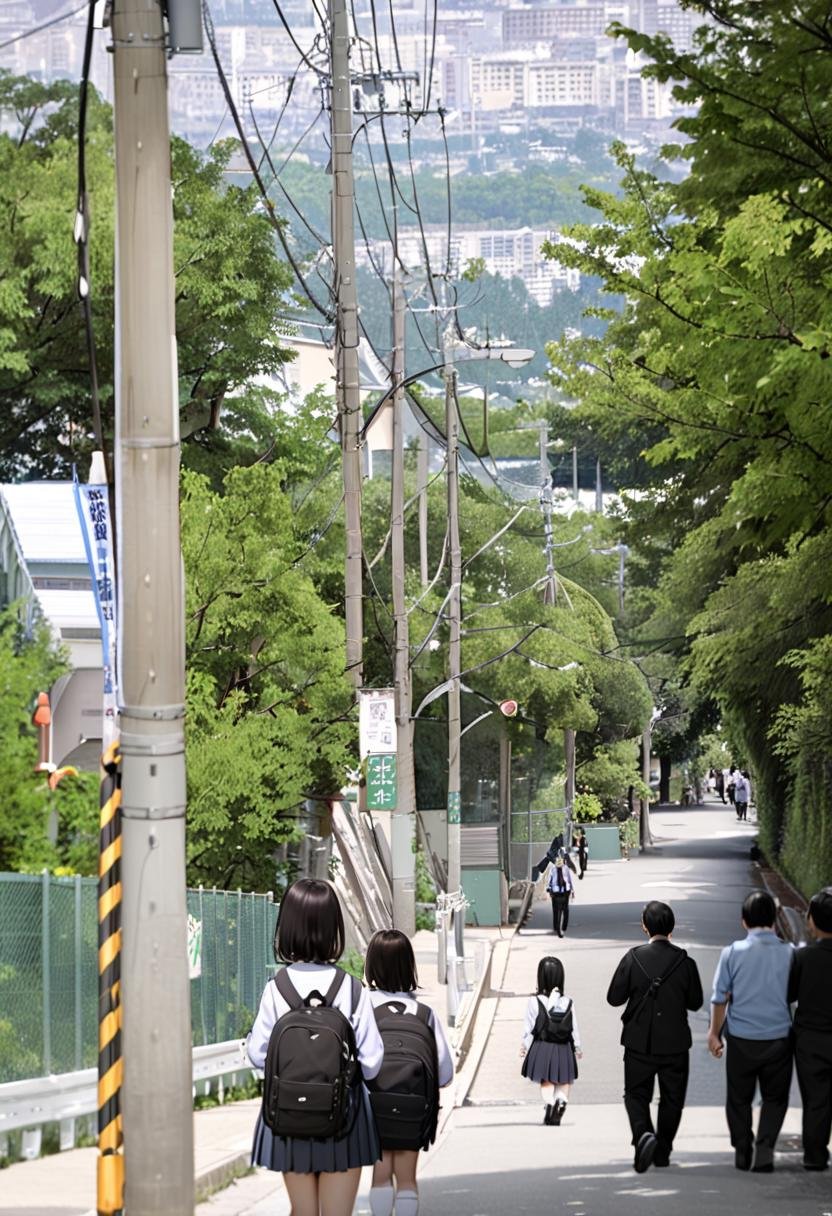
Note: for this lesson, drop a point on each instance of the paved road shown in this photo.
(497, 1157)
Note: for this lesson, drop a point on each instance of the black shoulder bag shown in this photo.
(654, 984)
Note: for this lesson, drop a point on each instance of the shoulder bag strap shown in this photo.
(335, 987)
(423, 1013)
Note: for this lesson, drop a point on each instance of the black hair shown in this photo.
(759, 910)
(390, 963)
(549, 975)
(820, 910)
(658, 918)
(310, 924)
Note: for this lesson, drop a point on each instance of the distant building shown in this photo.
(43, 564)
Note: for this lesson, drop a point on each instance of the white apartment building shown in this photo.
(507, 252)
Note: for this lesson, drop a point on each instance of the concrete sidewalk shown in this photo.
(63, 1184)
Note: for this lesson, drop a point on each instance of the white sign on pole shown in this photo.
(376, 721)
(96, 527)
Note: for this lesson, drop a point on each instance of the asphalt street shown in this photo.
(496, 1156)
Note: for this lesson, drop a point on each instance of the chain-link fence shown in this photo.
(49, 970)
(531, 833)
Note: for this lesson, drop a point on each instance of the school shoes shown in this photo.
(645, 1152)
(560, 1107)
(549, 1114)
(763, 1160)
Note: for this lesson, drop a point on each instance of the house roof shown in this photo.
(46, 521)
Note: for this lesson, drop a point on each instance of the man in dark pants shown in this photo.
(750, 1000)
(659, 984)
(810, 984)
(561, 889)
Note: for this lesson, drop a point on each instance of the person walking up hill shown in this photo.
(551, 1043)
(659, 983)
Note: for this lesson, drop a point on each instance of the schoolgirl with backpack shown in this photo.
(551, 1044)
(316, 1039)
(417, 1064)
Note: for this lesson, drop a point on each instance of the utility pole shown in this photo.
(404, 814)
(454, 617)
(347, 394)
(155, 989)
(599, 488)
(645, 836)
(575, 492)
(422, 485)
(550, 593)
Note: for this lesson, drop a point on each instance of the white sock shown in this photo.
(407, 1203)
(381, 1200)
(561, 1094)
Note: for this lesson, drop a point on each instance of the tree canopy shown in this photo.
(715, 377)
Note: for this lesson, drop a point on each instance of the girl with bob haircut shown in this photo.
(321, 1176)
(552, 1065)
(390, 971)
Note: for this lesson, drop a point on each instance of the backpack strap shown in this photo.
(287, 989)
(423, 1014)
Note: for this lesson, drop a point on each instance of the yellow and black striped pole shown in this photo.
(110, 1180)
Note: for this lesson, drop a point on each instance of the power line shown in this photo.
(38, 29)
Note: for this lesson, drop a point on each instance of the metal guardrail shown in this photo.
(71, 1095)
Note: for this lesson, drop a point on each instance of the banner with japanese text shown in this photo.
(94, 515)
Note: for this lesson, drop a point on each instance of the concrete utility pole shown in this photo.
(454, 618)
(599, 488)
(575, 492)
(422, 464)
(404, 814)
(550, 592)
(347, 394)
(156, 1034)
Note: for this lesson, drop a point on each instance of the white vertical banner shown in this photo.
(96, 528)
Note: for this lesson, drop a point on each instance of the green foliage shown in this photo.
(230, 288)
(352, 961)
(628, 833)
(712, 383)
(268, 701)
(587, 808)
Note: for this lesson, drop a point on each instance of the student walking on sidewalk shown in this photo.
(551, 1044)
(659, 984)
(750, 1003)
(321, 1171)
(810, 985)
(561, 888)
(416, 1066)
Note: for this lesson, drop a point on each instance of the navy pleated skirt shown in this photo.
(552, 1062)
(294, 1155)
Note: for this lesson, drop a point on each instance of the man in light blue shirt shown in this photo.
(750, 1001)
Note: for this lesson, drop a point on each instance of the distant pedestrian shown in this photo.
(720, 786)
(729, 788)
(417, 1064)
(551, 1043)
(561, 888)
(810, 984)
(659, 983)
(549, 858)
(321, 1172)
(742, 793)
(582, 846)
(750, 1003)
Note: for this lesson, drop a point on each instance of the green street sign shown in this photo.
(382, 789)
(454, 806)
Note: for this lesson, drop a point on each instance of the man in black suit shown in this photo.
(659, 983)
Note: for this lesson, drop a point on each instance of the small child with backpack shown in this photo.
(316, 1039)
(417, 1063)
(551, 1043)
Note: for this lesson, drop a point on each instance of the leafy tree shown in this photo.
(230, 289)
(268, 702)
(29, 664)
(718, 365)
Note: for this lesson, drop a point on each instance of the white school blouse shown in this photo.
(306, 978)
(553, 1001)
(443, 1052)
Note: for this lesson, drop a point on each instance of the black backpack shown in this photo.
(405, 1094)
(554, 1025)
(311, 1063)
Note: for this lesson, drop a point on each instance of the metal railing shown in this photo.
(31, 1104)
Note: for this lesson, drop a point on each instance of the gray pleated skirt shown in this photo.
(294, 1155)
(552, 1062)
